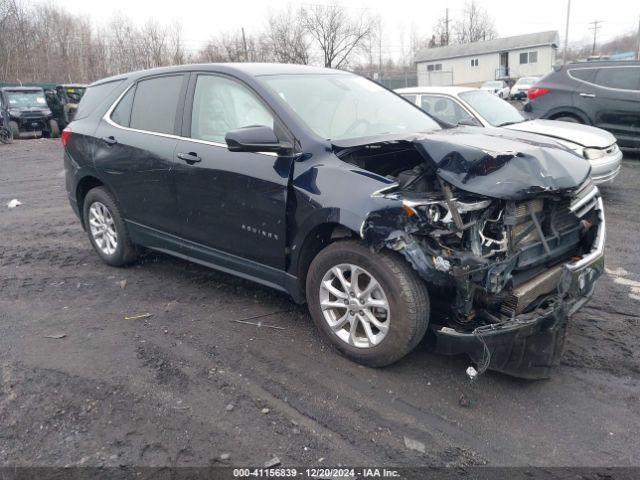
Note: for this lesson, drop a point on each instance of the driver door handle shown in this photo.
(190, 157)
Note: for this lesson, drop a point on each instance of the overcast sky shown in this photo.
(204, 19)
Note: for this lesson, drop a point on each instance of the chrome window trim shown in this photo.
(569, 70)
(107, 118)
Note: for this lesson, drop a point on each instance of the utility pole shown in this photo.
(379, 50)
(595, 28)
(244, 44)
(446, 27)
(566, 33)
(638, 49)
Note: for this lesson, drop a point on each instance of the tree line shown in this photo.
(47, 43)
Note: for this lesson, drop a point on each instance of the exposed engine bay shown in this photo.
(490, 256)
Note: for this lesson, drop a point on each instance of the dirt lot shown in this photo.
(188, 386)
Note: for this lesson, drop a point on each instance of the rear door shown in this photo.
(618, 102)
(446, 109)
(230, 202)
(136, 142)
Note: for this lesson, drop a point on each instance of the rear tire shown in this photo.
(106, 228)
(15, 130)
(335, 306)
(568, 118)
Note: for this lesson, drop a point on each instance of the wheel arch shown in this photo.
(569, 112)
(85, 184)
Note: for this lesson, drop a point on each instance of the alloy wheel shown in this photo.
(103, 228)
(355, 306)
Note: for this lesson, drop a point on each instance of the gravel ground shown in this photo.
(189, 386)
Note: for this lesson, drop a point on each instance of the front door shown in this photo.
(230, 202)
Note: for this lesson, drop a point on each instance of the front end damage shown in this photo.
(510, 243)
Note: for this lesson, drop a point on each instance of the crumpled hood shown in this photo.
(500, 163)
(583, 135)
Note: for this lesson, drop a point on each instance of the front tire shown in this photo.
(54, 129)
(373, 307)
(15, 130)
(106, 228)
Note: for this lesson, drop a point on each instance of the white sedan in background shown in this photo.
(497, 87)
(519, 89)
(470, 106)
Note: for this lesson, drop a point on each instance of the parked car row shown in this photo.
(387, 221)
(34, 112)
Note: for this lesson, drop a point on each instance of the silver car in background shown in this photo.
(519, 89)
(471, 106)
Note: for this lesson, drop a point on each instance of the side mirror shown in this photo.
(470, 122)
(254, 139)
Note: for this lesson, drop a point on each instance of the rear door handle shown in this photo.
(190, 157)
(588, 95)
(111, 140)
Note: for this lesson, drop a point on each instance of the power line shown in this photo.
(595, 27)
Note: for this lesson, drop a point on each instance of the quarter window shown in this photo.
(221, 105)
(411, 98)
(122, 113)
(155, 104)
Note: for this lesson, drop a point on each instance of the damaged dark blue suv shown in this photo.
(335, 190)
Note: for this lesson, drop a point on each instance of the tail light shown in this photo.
(536, 92)
(66, 135)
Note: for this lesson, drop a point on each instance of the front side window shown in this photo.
(445, 109)
(221, 105)
(344, 106)
(625, 78)
(155, 104)
(492, 108)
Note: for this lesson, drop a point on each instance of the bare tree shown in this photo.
(475, 24)
(335, 32)
(286, 37)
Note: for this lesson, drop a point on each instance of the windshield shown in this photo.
(340, 107)
(492, 84)
(26, 100)
(74, 94)
(493, 109)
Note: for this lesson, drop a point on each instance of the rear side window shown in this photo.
(122, 113)
(584, 74)
(155, 104)
(619, 77)
(94, 96)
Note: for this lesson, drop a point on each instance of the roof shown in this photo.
(489, 46)
(442, 90)
(247, 69)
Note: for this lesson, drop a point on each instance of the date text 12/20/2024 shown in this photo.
(315, 472)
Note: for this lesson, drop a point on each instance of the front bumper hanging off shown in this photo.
(530, 344)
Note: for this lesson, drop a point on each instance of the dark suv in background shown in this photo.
(602, 94)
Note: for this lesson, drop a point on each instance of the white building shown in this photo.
(471, 64)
